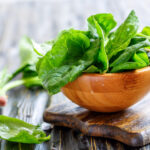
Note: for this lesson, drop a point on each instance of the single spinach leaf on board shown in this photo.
(92, 69)
(55, 75)
(16, 130)
(100, 25)
(120, 39)
(129, 52)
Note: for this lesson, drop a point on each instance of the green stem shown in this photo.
(13, 84)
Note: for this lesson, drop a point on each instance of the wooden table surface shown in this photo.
(42, 20)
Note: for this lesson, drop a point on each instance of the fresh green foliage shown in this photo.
(27, 55)
(146, 31)
(100, 25)
(55, 74)
(121, 48)
(27, 68)
(55, 63)
(4, 78)
(136, 40)
(92, 69)
(73, 52)
(120, 38)
(127, 66)
(104, 21)
(137, 58)
(16, 130)
(129, 52)
(143, 55)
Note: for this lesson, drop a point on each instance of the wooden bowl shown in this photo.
(109, 92)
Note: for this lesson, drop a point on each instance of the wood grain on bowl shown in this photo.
(109, 92)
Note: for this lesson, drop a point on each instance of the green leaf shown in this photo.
(4, 78)
(120, 39)
(29, 58)
(92, 69)
(100, 25)
(137, 58)
(146, 31)
(127, 66)
(16, 130)
(136, 40)
(27, 54)
(56, 69)
(143, 55)
(105, 21)
(42, 49)
(129, 52)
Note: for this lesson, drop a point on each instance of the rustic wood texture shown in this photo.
(42, 20)
(131, 126)
(109, 92)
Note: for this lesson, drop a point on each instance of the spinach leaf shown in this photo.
(28, 57)
(27, 54)
(41, 49)
(143, 55)
(92, 69)
(105, 21)
(120, 39)
(137, 58)
(148, 54)
(59, 66)
(136, 40)
(100, 25)
(28, 70)
(128, 66)
(129, 52)
(16, 130)
(4, 77)
(146, 31)
(29, 51)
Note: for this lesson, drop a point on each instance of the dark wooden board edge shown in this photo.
(112, 132)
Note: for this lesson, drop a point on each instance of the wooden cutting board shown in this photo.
(131, 126)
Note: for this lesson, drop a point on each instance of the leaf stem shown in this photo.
(16, 83)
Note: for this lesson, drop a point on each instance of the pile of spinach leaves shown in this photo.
(100, 49)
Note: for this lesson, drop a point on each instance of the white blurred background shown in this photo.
(43, 19)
